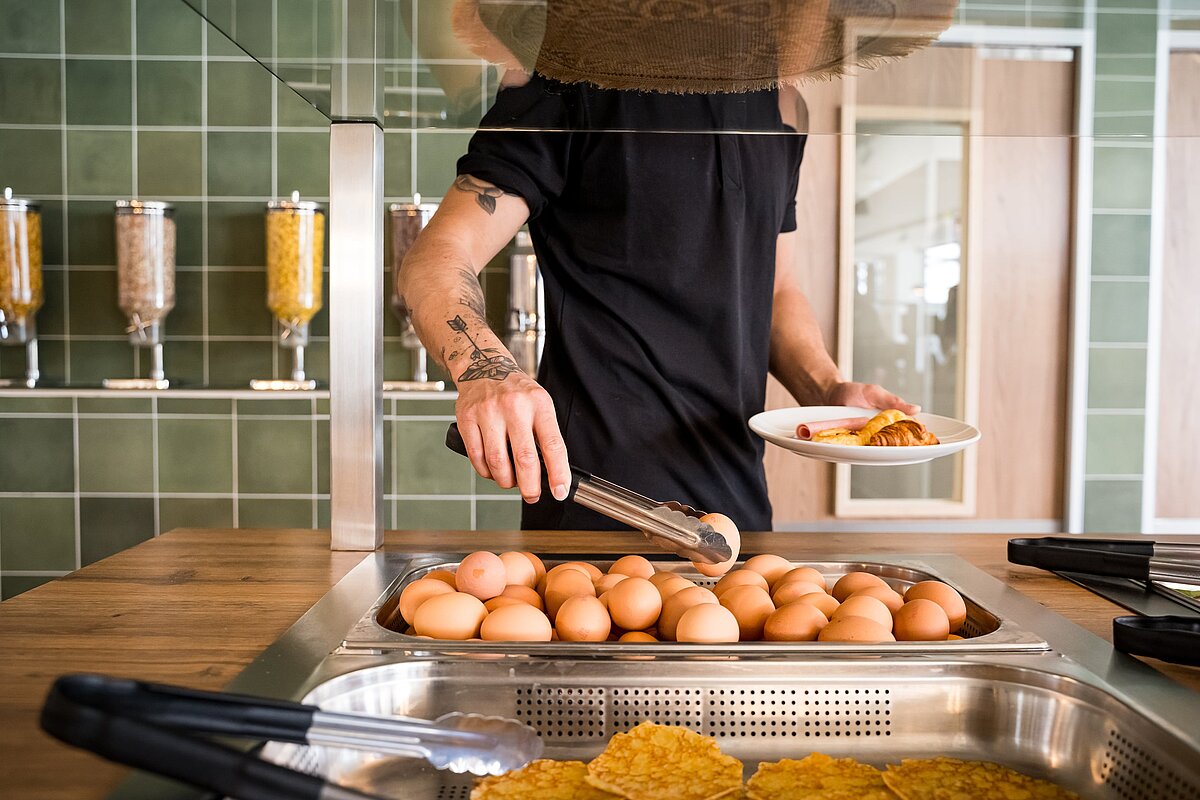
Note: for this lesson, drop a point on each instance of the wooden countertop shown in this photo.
(194, 607)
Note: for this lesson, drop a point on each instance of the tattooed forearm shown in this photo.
(485, 193)
(471, 294)
(487, 363)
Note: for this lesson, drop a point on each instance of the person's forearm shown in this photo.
(798, 356)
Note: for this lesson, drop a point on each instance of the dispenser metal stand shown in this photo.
(526, 306)
(21, 333)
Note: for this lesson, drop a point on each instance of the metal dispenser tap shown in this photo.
(20, 279)
(526, 306)
(407, 221)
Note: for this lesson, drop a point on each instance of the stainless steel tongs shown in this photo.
(673, 526)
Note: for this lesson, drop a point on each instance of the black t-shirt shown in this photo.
(657, 250)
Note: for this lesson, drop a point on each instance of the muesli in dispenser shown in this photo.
(20, 278)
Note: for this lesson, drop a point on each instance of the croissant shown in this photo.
(836, 436)
(904, 433)
(879, 422)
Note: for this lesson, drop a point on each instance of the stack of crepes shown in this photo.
(891, 428)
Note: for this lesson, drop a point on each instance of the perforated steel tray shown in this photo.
(380, 629)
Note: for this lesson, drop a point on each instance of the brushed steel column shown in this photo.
(356, 335)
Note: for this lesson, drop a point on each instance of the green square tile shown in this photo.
(486, 486)
(236, 236)
(100, 162)
(1122, 176)
(396, 22)
(184, 363)
(423, 463)
(1120, 311)
(1116, 378)
(1112, 506)
(235, 364)
(322, 405)
(316, 361)
(168, 29)
(99, 92)
(116, 455)
(1122, 127)
(266, 407)
(187, 317)
(98, 26)
(1143, 66)
(194, 512)
(1115, 444)
(1125, 33)
(93, 361)
(237, 304)
(28, 27)
(53, 237)
(38, 405)
(189, 234)
(275, 513)
(498, 515)
(323, 457)
(303, 164)
(433, 515)
(91, 233)
(37, 533)
(239, 93)
(323, 514)
(30, 91)
(397, 164)
(411, 407)
(169, 164)
(168, 92)
(32, 161)
(397, 362)
(13, 585)
(191, 405)
(274, 456)
(239, 164)
(1124, 95)
(195, 455)
(115, 405)
(108, 525)
(95, 308)
(219, 44)
(437, 157)
(297, 35)
(37, 455)
(51, 318)
(1121, 244)
(294, 111)
(51, 360)
(252, 25)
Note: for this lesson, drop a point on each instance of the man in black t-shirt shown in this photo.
(658, 231)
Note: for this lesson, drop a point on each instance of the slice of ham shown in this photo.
(805, 430)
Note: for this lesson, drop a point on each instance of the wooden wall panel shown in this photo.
(1179, 424)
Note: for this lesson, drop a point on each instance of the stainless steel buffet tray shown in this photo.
(1048, 724)
(985, 630)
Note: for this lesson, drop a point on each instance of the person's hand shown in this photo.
(867, 395)
(514, 414)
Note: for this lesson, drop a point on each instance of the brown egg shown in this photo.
(659, 577)
(603, 599)
(673, 586)
(884, 594)
(739, 577)
(707, 623)
(945, 596)
(457, 615)
(771, 567)
(519, 622)
(443, 575)
(499, 601)
(566, 584)
(863, 606)
(921, 620)
(807, 574)
(417, 593)
(676, 604)
(639, 637)
(524, 594)
(851, 582)
(538, 567)
(519, 569)
(609, 581)
(821, 601)
(954, 637)
(583, 619)
(633, 566)
(726, 527)
(854, 629)
(573, 566)
(594, 572)
(481, 574)
(791, 592)
(798, 622)
(750, 606)
(634, 604)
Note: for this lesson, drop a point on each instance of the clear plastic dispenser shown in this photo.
(407, 221)
(295, 256)
(145, 282)
(20, 279)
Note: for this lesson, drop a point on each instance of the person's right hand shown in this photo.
(514, 414)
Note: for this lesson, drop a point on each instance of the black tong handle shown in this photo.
(455, 442)
(1172, 638)
(142, 725)
(1091, 556)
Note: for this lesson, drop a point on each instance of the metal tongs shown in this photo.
(1173, 638)
(146, 726)
(673, 526)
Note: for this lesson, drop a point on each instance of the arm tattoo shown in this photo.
(485, 194)
(487, 363)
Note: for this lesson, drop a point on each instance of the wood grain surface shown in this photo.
(194, 607)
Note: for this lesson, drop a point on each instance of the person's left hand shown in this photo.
(867, 395)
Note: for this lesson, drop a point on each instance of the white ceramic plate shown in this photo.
(779, 428)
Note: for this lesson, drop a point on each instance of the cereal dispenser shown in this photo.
(20, 277)
(145, 281)
(408, 220)
(295, 256)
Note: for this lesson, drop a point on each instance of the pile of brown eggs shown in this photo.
(513, 597)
